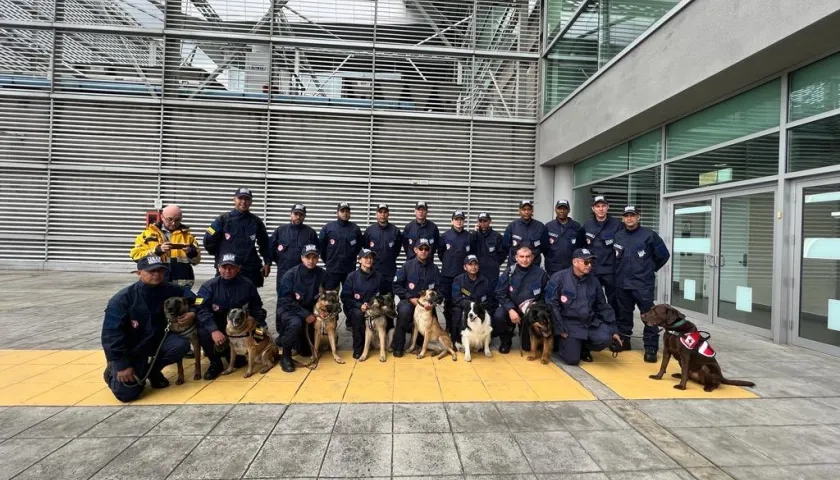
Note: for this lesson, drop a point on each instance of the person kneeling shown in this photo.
(583, 320)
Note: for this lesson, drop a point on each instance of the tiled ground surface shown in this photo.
(792, 432)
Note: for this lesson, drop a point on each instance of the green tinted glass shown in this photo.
(640, 189)
(645, 150)
(815, 88)
(750, 112)
(605, 164)
(814, 145)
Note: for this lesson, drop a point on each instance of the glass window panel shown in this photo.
(645, 150)
(690, 285)
(743, 161)
(750, 112)
(643, 193)
(820, 272)
(572, 59)
(814, 145)
(610, 162)
(815, 88)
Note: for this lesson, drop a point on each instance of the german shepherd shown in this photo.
(173, 308)
(426, 322)
(379, 310)
(246, 339)
(326, 313)
(540, 327)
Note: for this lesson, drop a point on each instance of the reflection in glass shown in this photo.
(814, 145)
(690, 288)
(819, 301)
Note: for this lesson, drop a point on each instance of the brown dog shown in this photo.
(246, 339)
(326, 313)
(540, 326)
(692, 349)
(426, 322)
(380, 309)
(173, 308)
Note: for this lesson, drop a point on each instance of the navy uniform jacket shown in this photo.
(562, 242)
(298, 292)
(340, 242)
(518, 284)
(487, 246)
(219, 296)
(235, 232)
(414, 231)
(414, 277)
(134, 321)
(599, 238)
(286, 245)
(480, 290)
(577, 303)
(386, 243)
(639, 254)
(359, 288)
(454, 247)
(532, 234)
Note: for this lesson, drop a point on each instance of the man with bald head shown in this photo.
(173, 242)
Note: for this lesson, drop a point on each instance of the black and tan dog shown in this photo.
(326, 311)
(692, 349)
(539, 325)
(246, 339)
(173, 308)
(380, 309)
(427, 324)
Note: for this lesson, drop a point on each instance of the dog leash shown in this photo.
(142, 382)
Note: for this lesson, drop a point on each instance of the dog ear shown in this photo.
(245, 307)
(673, 314)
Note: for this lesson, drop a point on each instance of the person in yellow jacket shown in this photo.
(173, 243)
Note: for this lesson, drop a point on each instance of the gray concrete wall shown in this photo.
(708, 50)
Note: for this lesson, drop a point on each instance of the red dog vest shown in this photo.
(696, 342)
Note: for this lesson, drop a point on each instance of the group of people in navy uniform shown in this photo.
(592, 277)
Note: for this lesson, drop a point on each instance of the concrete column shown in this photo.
(544, 193)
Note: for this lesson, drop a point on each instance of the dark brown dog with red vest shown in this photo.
(691, 347)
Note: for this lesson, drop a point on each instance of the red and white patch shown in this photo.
(515, 243)
(410, 286)
(691, 340)
(589, 241)
(332, 241)
(279, 248)
(564, 299)
(297, 296)
(357, 296)
(371, 244)
(551, 240)
(227, 236)
(215, 308)
(448, 246)
(510, 288)
(135, 324)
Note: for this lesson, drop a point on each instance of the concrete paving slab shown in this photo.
(709, 473)
(432, 454)
(651, 475)
(79, 459)
(19, 453)
(420, 417)
(793, 445)
(720, 448)
(572, 476)
(365, 418)
(150, 458)
(622, 450)
(317, 418)
(491, 453)
(475, 417)
(14, 420)
(219, 457)
(249, 420)
(576, 416)
(549, 452)
(797, 472)
(358, 456)
(191, 420)
(281, 456)
(134, 421)
(529, 417)
(70, 422)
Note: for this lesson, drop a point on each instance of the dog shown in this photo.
(538, 323)
(173, 308)
(426, 322)
(477, 330)
(326, 311)
(246, 339)
(692, 349)
(379, 310)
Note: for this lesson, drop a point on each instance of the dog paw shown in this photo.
(197, 376)
(679, 387)
(227, 372)
(247, 375)
(382, 359)
(265, 370)
(544, 361)
(420, 356)
(339, 360)
(531, 359)
(467, 358)
(454, 357)
(655, 377)
(180, 381)
(488, 354)
(363, 358)
(676, 375)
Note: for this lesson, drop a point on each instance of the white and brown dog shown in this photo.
(477, 330)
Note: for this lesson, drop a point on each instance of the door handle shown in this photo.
(709, 260)
(745, 260)
(722, 261)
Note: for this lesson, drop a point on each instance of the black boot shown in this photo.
(650, 355)
(504, 347)
(214, 370)
(157, 380)
(286, 362)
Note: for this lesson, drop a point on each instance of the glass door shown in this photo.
(816, 310)
(722, 258)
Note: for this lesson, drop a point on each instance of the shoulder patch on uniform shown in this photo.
(199, 301)
(211, 230)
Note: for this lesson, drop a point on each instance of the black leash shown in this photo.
(142, 382)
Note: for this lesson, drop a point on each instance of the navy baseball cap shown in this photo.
(421, 204)
(342, 206)
(484, 216)
(309, 249)
(469, 259)
(599, 199)
(299, 208)
(365, 252)
(151, 262)
(383, 206)
(526, 203)
(583, 253)
(423, 242)
(229, 259)
(630, 210)
(561, 203)
(243, 192)
(458, 214)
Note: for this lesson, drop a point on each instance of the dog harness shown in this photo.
(697, 342)
(258, 334)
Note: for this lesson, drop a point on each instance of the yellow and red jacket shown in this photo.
(180, 261)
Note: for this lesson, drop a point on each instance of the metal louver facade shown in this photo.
(111, 107)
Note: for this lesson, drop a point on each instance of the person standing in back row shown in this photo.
(287, 242)
(486, 245)
(420, 228)
(562, 239)
(598, 236)
(385, 240)
(454, 247)
(525, 231)
(340, 242)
